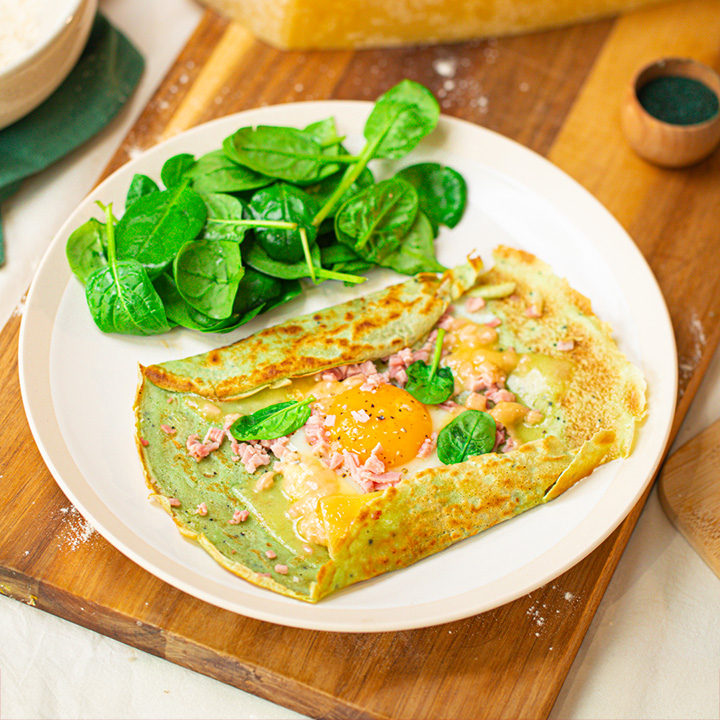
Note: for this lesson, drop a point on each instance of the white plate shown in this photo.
(78, 385)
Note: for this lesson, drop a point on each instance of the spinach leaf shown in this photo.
(224, 213)
(139, 186)
(341, 258)
(442, 192)
(121, 296)
(273, 421)
(183, 314)
(174, 169)
(256, 257)
(470, 433)
(325, 134)
(280, 152)
(323, 190)
(431, 384)
(207, 274)
(256, 288)
(85, 249)
(156, 226)
(215, 172)
(401, 117)
(337, 253)
(373, 222)
(416, 252)
(285, 203)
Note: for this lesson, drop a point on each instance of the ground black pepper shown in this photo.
(678, 100)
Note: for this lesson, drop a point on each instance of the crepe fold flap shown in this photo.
(363, 329)
(601, 388)
(438, 507)
(425, 512)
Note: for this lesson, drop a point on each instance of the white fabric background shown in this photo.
(653, 650)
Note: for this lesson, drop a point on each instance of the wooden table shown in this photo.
(556, 92)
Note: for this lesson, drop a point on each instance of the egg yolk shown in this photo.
(386, 415)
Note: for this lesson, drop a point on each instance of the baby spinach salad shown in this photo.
(242, 229)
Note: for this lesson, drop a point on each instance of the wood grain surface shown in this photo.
(555, 92)
(689, 490)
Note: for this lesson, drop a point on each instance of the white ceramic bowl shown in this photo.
(29, 78)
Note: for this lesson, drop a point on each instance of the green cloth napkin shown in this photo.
(98, 86)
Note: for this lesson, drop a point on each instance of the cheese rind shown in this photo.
(343, 24)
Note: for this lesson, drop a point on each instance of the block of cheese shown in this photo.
(343, 24)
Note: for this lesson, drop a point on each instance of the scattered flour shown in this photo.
(19, 310)
(76, 530)
(688, 365)
(445, 67)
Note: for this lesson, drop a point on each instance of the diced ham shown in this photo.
(501, 436)
(345, 371)
(565, 345)
(214, 436)
(473, 304)
(495, 322)
(500, 395)
(488, 379)
(279, 447)
(334, 374)
(271, 554)
(374, 464)
(335, 460)
(315, 433)
(373, 381)
(365, 368)
(174, 502)
(196, 448)
(426, 351)
(168, 430)
(239, 516)
(446, 321)
(370, 475)
(144, 442)
(428, 446)
(252, 456)
(504, 442)
(281, 569)
(201, 509)
(360, 415)
(533, 311)
(401, 377)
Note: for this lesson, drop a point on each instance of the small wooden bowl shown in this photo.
(667, 144)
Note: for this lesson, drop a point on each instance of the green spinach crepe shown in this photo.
(369, 475)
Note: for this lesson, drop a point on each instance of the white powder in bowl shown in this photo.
(20, 27)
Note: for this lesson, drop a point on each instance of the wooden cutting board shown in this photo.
(555, 92)
(689, 490)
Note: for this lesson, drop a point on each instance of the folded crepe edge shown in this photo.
(361, 329)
